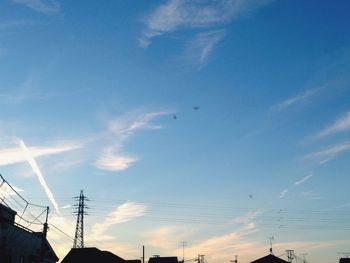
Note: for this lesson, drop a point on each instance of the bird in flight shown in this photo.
(196, 108)
(174, 117)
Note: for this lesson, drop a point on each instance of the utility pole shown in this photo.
(44, 235)
(271, 238)
(290, 255)
(184, 244)
(143, 254)
(80, 212)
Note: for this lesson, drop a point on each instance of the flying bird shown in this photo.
(196, 108)
(174, 117)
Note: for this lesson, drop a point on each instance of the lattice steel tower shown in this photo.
(80, 212)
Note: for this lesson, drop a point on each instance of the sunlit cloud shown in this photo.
(41, 6)
(299, 98)
(162, 238)
(114, 162)
(30, 159)
(15, 155)
(120, 130)
(248, 217)
(340, 125)
(219, 248)
(123, 213)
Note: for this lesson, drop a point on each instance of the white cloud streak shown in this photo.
(123, 213)
(202, 45)
(120, 130)
(205, 15)
(38, 173)
(295, 99)
(303, 180)
(41, 6)
(340, 125)
(114, 162)
(329, 153)
(15, 155)
(176, 14)
(283, 193)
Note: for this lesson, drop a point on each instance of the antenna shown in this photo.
(290, 255)
(79, 229)
(271, 238)
(235, 260)
(184, 244)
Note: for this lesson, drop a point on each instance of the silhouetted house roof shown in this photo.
(21, 244)
(269, 259)
(163, 260)
(92, 254)
(344, 260)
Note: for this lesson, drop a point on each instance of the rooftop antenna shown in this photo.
(184, 244)
(235, 260)
(79, 229)
(290, 255)
(270, 239)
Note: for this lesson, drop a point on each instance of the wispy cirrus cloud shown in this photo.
(15, 154)
(342, 124)
(201, 46)
(123, 213)
(41, 6)
(4, 25)
(294, 100)
(249, 217)
(297, 183)
(283, 193)
(113, 157)
(26, 90)
(205, 15)
(304, 179)
(328, 154)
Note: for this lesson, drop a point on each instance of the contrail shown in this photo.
(38, 173)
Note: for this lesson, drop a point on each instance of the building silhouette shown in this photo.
(269, 259)
(94, 255)
(19, 244)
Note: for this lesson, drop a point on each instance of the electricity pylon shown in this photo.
(80, 212)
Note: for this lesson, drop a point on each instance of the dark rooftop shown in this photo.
(269, 259)
(163, 260)
(92, 254)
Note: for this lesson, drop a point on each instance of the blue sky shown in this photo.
(89, 92)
